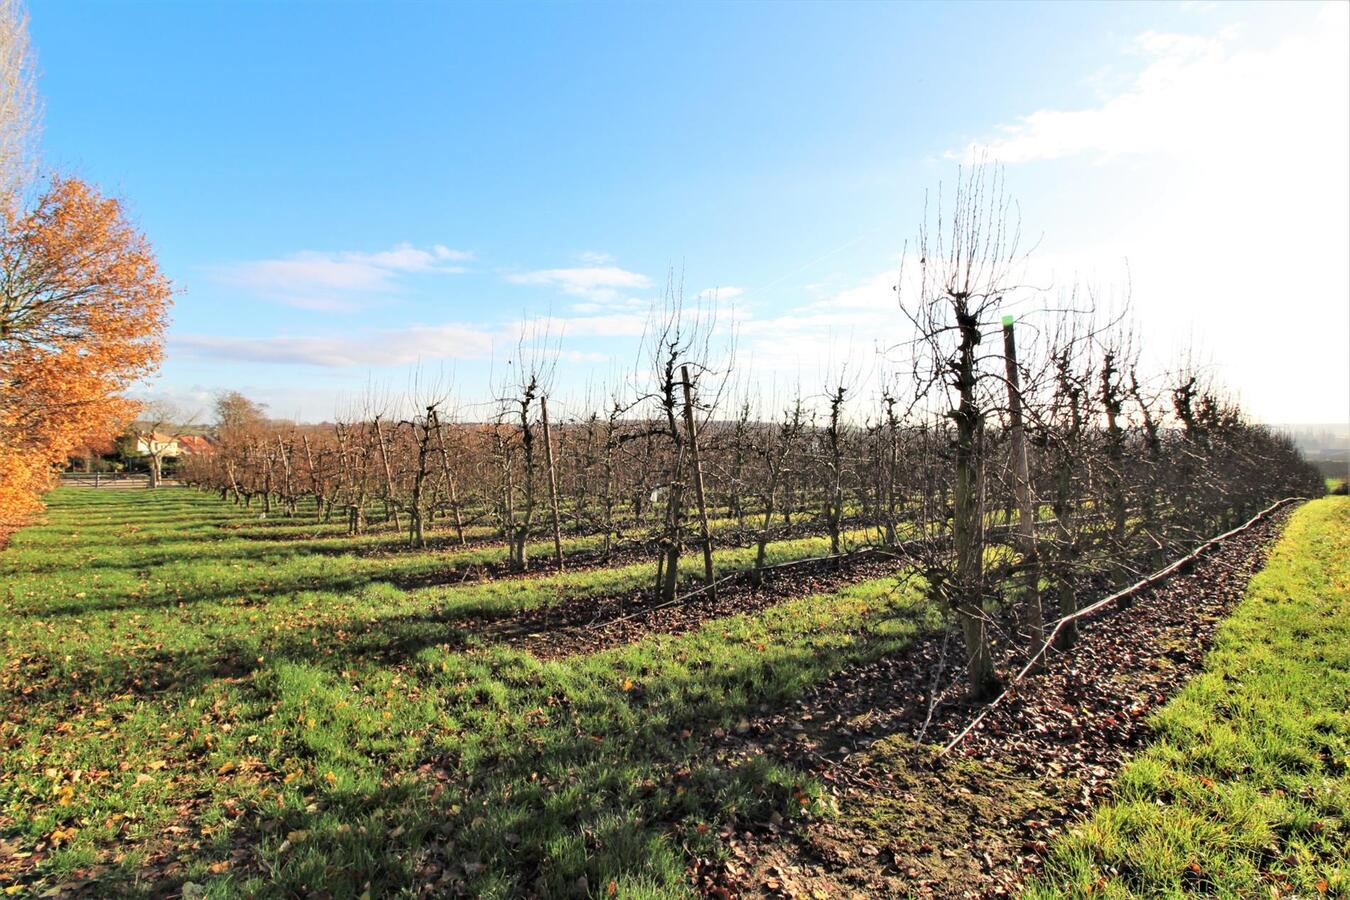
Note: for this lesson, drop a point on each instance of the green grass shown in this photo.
(179, 548)
(189, 694)
(1246, 789)
(188, 699)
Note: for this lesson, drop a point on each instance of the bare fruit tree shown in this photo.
(966, 264)
(678, 354)
(516, 436)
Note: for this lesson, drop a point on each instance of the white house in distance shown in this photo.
(168, 446)
(152, 443)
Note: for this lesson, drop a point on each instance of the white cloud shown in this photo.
(872, 295)
(816, 340)
(614, 325)
(1221, 174)
(446, 253)
(339, 281)
(597, 283)
(1196, 97)
(390, 347)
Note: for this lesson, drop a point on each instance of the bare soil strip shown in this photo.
(591, 624)
(576, 625)
(976, 822)
(586, 559)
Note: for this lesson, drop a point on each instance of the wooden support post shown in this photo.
(313, 477)
(390, 506)
(449, 477)
(287, 484)
(552, 482)
(698, 479)
(1026, 508)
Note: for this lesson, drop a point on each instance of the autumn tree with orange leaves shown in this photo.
(83, 304)
(82, 314)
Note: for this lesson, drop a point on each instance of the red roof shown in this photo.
(195, 443)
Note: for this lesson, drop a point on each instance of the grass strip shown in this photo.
(1246, 787)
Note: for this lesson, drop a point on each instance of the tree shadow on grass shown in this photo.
(176, 551)
(578, 783)
(420, 573)
(390, 640)
(277, 585)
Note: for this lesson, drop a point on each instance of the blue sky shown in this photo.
(342, 191)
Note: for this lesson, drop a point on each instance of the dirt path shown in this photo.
(976, 822)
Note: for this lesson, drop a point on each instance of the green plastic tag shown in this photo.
(1007, 321)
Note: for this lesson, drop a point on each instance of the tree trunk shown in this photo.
(287, 488)
(834, 510)
(967, 526)
(762, 544)
(674, 513)
(552, 483)
(892, 470)
(416, 514)
(314, 482)
(1026, 511)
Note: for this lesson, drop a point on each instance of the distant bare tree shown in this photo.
(20, 110)
(160, 418)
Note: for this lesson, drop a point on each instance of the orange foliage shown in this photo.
(100, 444)
(83, 308)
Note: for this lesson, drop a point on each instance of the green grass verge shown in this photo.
(1246, 788)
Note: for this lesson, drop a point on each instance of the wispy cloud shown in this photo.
(722, 294)
(607, 325)
(580, 356)
(388, 347)
(845, 327)
(598, 283)
(342, 280)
